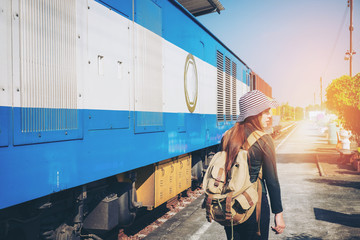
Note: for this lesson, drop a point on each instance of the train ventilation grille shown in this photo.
(220, 86)
(48, 65)
(234, 103)
(227, 89)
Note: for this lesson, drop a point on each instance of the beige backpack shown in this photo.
(232, 203)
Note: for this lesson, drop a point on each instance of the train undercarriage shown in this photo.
(92, 210)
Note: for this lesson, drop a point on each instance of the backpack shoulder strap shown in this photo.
(253, 137)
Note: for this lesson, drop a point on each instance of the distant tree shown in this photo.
(299, 113)
(313, 108)
(343, 98)
(286, 112)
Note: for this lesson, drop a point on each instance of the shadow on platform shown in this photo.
(339, 183)
(326, 150)
(350, 220)
(295, 157)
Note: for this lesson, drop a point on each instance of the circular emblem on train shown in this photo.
(190, 82)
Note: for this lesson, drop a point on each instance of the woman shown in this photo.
(255, 115)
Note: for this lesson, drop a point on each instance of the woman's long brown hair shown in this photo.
(235, 138)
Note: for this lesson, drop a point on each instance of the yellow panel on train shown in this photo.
(158, 183)
(164, 182)
(183, 170)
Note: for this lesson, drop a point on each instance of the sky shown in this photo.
(291, 44)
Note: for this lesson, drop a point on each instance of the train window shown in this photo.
(220, 86)
(233, 96)
(227, 89)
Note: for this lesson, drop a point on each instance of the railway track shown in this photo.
(147, 221)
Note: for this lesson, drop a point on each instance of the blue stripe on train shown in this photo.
(33, 170)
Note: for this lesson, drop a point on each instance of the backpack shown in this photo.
(233, 202)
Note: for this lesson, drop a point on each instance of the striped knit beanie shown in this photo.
(254, 102)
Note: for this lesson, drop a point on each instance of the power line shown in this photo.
(337, 38)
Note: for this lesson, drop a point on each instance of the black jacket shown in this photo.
(262, 153)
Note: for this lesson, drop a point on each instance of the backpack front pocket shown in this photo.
(217, 180)
(247, 199)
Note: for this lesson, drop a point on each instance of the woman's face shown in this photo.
(265, 118)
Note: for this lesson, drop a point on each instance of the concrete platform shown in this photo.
(315, 207)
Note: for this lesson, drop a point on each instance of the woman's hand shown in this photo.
(279, 223)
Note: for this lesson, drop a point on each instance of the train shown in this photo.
(107, 107)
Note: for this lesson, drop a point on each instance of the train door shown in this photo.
(5, 70)
(148, 67)
(109, 62)
(45, 75)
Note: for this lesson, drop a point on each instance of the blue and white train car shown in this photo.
(105, 106)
